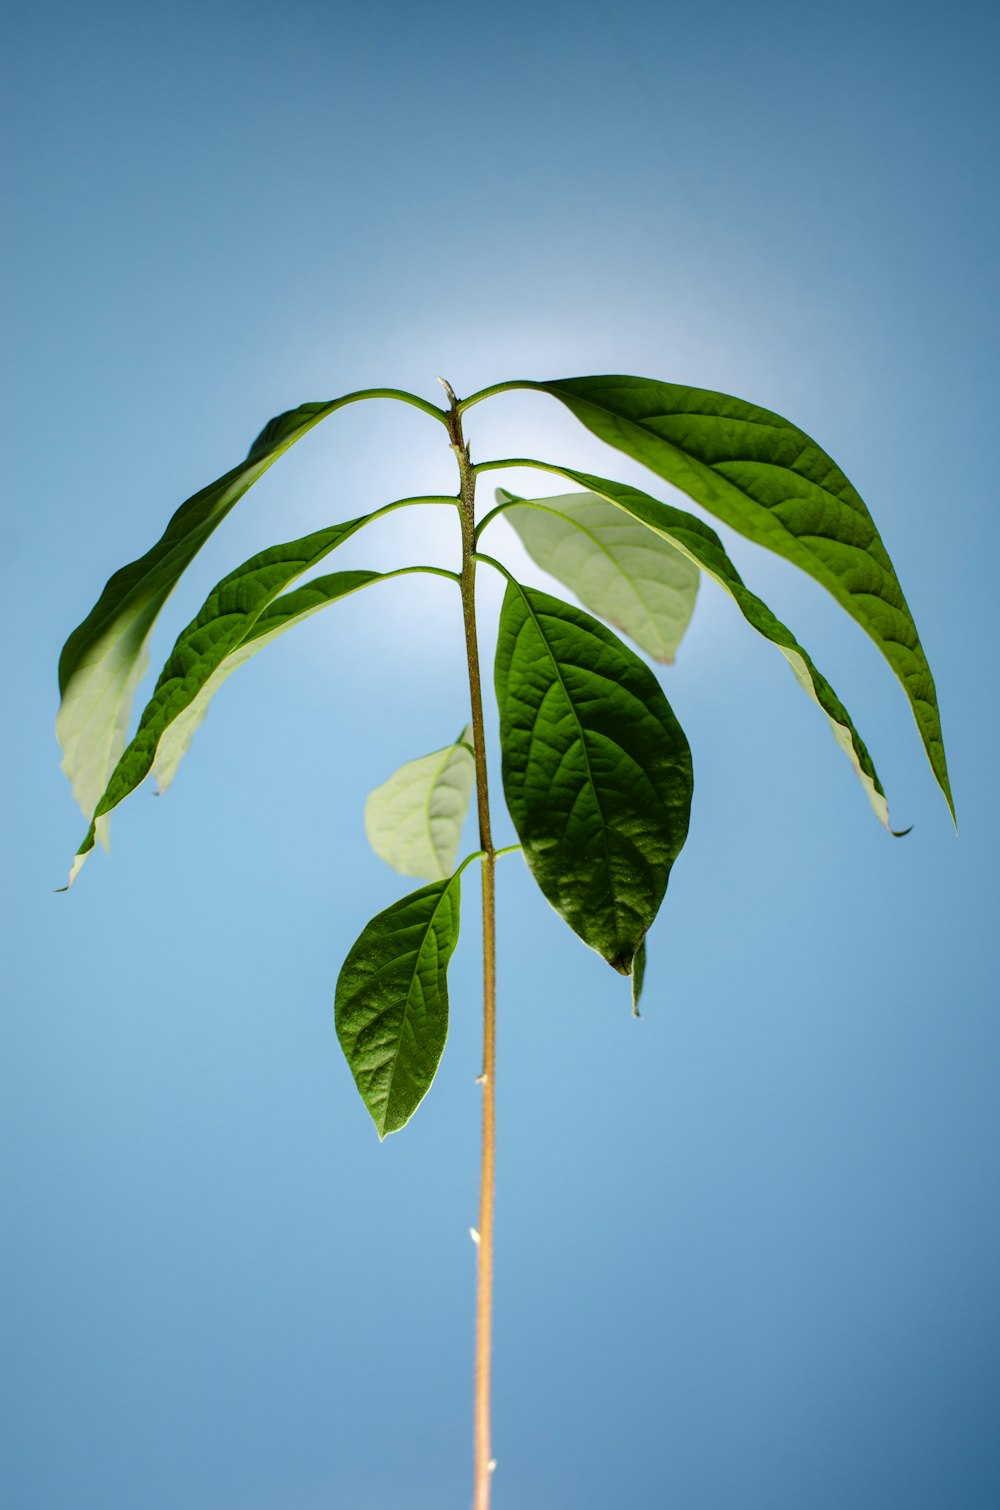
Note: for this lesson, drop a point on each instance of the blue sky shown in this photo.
(747, 1247)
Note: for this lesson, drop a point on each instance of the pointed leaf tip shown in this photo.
(596, 769)
(769, 480)
(701, 544)
(638, 977)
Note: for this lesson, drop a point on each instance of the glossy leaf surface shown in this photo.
(392, 1001)
(414, 820)
(617, 568)
(596, 769)
(766, 478)
(700, 542)
(105, 657)
(284, 613)
(226, 619)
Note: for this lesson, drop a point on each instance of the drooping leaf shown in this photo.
(414, 820)
(105, 657)
(392, 1001)
(638, 978)
(616, 567)
(226, 618)
(766, 478)
(284, 613)
(700, 542)
(596, 769)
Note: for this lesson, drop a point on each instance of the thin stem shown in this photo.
(477, 398)
(508, 503)
(496, 565)
(405, 503)
(433, 571)
(403, 396)
(484, 1250)
(518, 503)
(515, 461)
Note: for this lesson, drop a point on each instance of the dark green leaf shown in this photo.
(766, 478)
(224, 622)
(700, 542)
(392, 1001)
(596, 769)
(284, 613)
(104, 659)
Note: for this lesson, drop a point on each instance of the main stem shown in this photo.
(484, 1288)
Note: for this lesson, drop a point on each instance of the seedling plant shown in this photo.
(595, 768)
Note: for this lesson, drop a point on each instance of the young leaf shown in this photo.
(615, 566)
(227, 617)
(105, 657)
(700, 542)
(414, 820)
(392, 1001)
(596, 769)
(766, 478)
(284, 613)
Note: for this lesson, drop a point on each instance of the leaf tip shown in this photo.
(77, 866)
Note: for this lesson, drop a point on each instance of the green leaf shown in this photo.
(229, 614)
(638, 978)
(284, 613)
(700, 542)
(105, 657)
(615, 566)
(596, 769)
(766, 478)
(392, 1001)
(414, 820)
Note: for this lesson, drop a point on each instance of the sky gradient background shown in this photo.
(747, 1247)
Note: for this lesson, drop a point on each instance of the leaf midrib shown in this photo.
(643, 426)
(586, 757)
(409, 992)
(569, 519)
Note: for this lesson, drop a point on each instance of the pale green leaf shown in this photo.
(284, 613)
(700, 542)
(596, 769)
(766, 478)
(414, 820)
(392, 1001)
(615, 566)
